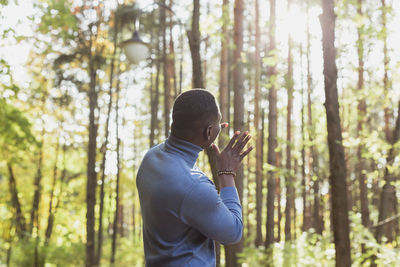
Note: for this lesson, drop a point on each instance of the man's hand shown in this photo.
(233, 154)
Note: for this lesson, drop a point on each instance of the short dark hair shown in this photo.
(194, 109)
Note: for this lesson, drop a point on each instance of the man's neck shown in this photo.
(188, 139)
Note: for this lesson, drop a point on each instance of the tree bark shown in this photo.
(388, 197)
(52, 212)
(238, 116)
(91, 165)
(336, 153)
(20, 225)
(278, 191)
(50, 219)
(171, 59)
(386, 83)
(224, 73)
(223, 92)
(117, 203)
(166, 72)
(288, 178)
(194, 45)
(154, 122)
(37, 187)
(317, 221)
(272, 131)
(361, 164)
(259, 180)
(306, 219)
(105, 144)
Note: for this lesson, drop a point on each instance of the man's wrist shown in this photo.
(226, 172)
(226, 180)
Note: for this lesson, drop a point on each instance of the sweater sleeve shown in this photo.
(218, 217)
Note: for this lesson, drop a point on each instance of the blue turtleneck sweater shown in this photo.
(181, 209)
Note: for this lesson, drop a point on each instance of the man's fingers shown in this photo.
(240, 140)
(243, 143)
(244, 154)
(216, 148)
(233, 139)
(224, 125)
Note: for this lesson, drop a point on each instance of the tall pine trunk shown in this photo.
(117, 200)
(306, 219)
(337, 162)
(224, 72)
(259, 180)
(223, 93)
(386, 83)
(194, 45)
(388, 194)
(20, 225)
(37, 186)
(272, 130)
(317, 222)
(91, 165)
(232, 251)
(288, 177)
(166, 71)
(155, 96)
(361, 164)
(171, 60)
(104, 147)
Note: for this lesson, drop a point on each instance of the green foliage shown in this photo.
(252, 256)
(309, 249)
(15, 129)
(130, 252)
(58, 16)
(65, 253)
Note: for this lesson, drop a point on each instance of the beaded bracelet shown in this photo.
(227, 172)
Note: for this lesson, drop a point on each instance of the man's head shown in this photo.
(196, 117)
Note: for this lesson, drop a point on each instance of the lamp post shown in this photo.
(135, 49)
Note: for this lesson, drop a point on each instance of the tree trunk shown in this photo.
(166, 71)
(194, 45)
(361, 165)
(52, 212)
(154, 122)
(238, 116)
(20, 225)
(91, 165)
(248, 181)
(388, 197)
(306, 220)
(105, 144)
(278, 198)
(317, 222)
(259, 180)
(37, 187)
(50, 219)
(272, 131)
(224, 73)
(171, 58)
(117, 203)
(223, 92)
(386, 83)
(336, 153)
(288, 178)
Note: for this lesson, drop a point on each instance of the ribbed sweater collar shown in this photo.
(187, 150)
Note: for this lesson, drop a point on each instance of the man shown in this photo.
(181, 209)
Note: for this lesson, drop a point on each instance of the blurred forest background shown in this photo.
(316, 82)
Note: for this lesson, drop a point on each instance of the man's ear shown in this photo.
(208, 132)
